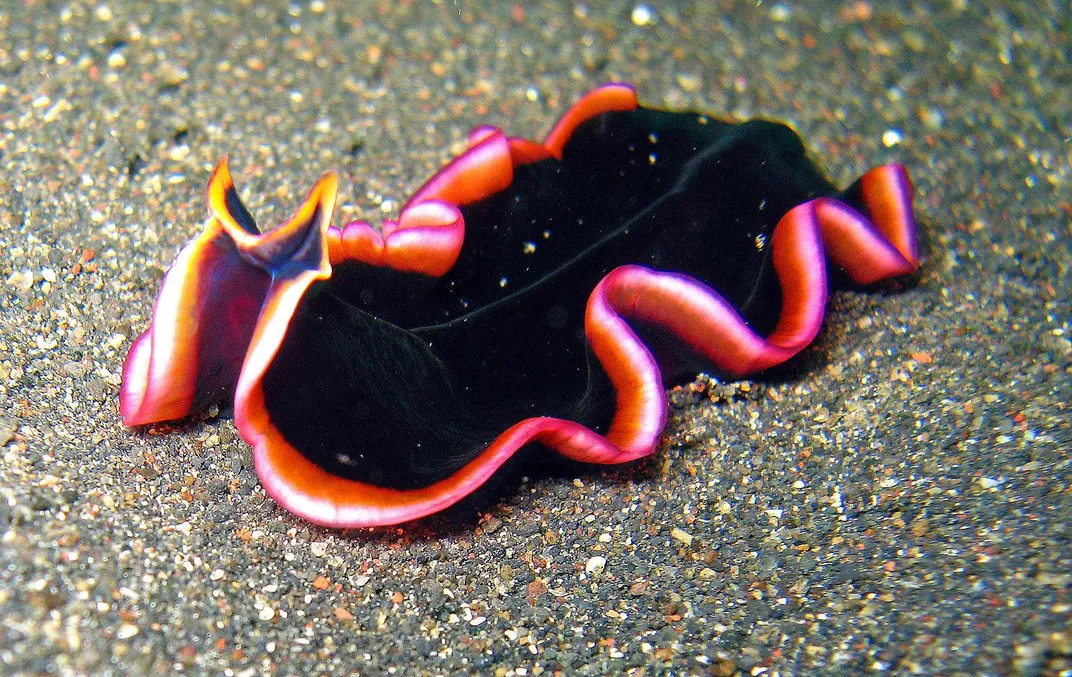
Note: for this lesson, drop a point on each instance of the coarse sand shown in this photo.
(899, 501)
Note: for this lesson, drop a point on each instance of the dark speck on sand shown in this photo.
(898, 503)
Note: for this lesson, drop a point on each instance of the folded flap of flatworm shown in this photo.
(540, 294)
(210, 300)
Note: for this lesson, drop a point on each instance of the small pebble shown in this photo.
(595, 565)
(682, 536)
(642, 15)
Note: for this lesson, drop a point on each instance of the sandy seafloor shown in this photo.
(898, 503)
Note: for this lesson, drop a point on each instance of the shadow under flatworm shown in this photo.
(397, 379)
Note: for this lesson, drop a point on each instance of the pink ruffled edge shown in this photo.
(159, 383)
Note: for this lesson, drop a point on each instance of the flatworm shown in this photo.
(529, 294)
